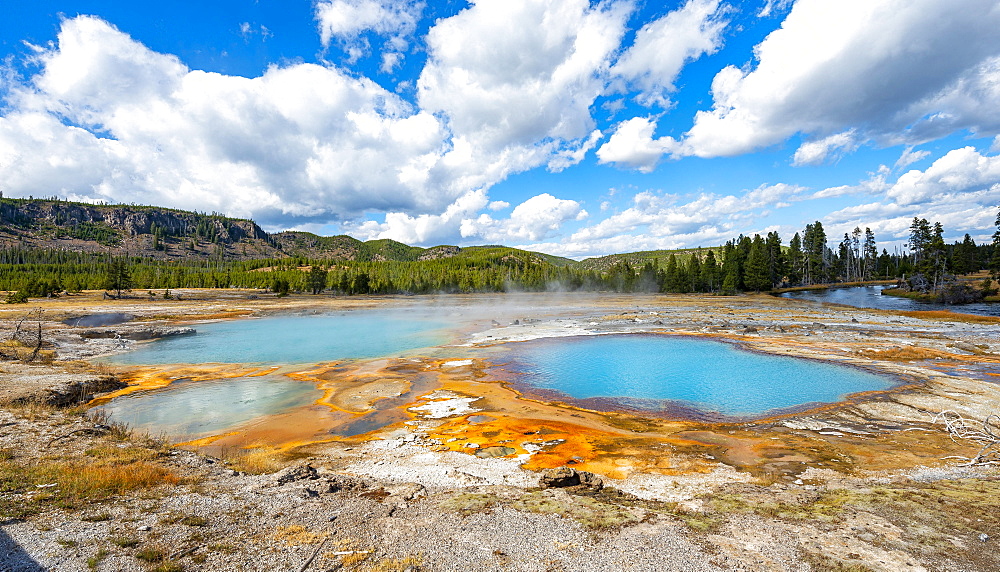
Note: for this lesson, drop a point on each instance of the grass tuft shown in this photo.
(256, 460)
(297, 535)
(124, 541)
(94, 561)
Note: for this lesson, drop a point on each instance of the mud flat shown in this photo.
(448, 477)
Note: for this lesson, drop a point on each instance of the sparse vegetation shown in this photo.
(94, 561)
(470, 503)
(124, 541)
(71, 483)
(258, 460)
(151, 554)
(296, 535)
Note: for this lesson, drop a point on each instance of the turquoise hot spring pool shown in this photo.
(295, 339)
(678, 374)
(668, 375)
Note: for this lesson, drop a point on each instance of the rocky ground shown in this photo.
(860, 486)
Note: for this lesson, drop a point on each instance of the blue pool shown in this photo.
(294, 340)
(656, 372)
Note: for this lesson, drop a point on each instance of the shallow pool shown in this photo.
(667, 373)
(187, 409)
(294, 339)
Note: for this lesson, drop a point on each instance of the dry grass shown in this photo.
(32, 486)
(470, 503)
(257, 460)
(590, 512)
(33, 410)
(123, 455)
(14, 349)
(951, 317)
(823, 563)
(392, 564)
(297, 535)
(904, 353)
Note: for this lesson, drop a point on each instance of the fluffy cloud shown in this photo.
(665, 218)
(822, 150)
(903, 70)
(663, 46)
(909, 157)
(534, 219)
(118, 121)
(959, 173)
(632, 145)
(960, 190)
(106, 118)
(346, 20)
(772, 6)
(504, 86)
(426, 228)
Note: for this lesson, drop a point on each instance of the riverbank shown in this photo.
(863, 482)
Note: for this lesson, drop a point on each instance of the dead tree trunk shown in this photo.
(983, 434)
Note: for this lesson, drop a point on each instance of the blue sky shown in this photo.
(571, 127)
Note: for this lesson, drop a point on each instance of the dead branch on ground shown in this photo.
(984, 434)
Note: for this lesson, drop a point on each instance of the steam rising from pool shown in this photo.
(295, 339)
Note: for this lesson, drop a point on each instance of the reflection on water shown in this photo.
(661, 372)
(187, 410)
(871, 297)
(294, 340)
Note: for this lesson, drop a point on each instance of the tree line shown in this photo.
(754, 264)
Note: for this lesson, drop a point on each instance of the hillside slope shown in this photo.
(171, 234)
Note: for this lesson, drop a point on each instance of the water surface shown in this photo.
(187, 410)
(871, 297)
(664, 372)
(294, 339)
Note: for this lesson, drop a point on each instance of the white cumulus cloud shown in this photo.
(662, 48)
(897, 70)
(510, 73)
(534, 219)
(632, 145)
(347, 19)
(107, 118)
(959, 172)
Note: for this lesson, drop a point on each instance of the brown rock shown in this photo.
(559, 478)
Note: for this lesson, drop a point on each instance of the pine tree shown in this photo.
(870, 252)
(756, 274)
(729, 283)
(317, 279)
(776, 265)
(795, 260)
(118, 277)
(710, 272)
(694, 274)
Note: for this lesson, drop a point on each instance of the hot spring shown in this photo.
(295, 339)
(674, 374)
(667, 375)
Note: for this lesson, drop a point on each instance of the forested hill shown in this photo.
(638, 259)
(170, 234)
(52, 246)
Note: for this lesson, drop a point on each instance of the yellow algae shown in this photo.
(157, 377)
(205, 441)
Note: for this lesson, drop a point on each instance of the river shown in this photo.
(871, 297)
